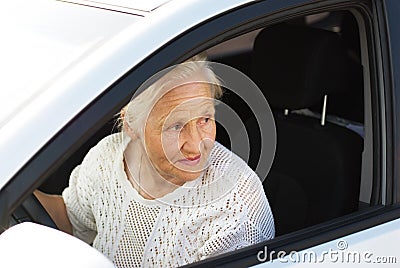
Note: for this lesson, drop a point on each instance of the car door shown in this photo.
(379, 60)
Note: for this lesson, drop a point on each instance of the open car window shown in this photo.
(311, 73)
(321, 167)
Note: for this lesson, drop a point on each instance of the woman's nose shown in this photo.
(191, 138)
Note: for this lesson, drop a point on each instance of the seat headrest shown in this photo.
(296, 66)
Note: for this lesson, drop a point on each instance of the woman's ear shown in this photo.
(126, 127)
(128, 130)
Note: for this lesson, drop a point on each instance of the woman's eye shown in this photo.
(175, 127)
(205, 120)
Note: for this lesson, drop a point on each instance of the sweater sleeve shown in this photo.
(79, 199)
(260, 219)
(246, 219)
(225, 231)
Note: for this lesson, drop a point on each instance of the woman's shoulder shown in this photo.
(112, 141)
(107, 148)
(228, 173)
(230, 163)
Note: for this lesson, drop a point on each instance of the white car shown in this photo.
(329, 71)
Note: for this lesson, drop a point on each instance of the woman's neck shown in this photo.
(142, 175)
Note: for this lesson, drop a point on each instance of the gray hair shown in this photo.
(137, 110)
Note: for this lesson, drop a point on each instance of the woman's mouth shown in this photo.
(191, 161)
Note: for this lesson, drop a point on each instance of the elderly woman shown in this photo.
(162, 192)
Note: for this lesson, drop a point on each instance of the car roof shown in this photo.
(44, 40)
(129, 6)
(43, 111)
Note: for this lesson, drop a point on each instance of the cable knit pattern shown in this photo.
(222, 210)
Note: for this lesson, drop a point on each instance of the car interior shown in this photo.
(311, 72)
(316, 173)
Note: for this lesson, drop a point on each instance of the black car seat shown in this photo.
(317, 167)
(349, 103)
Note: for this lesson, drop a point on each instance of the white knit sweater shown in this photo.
(222, 210)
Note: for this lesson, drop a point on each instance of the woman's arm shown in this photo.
(55, 206)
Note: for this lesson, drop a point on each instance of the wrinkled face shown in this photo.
(180, 132)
